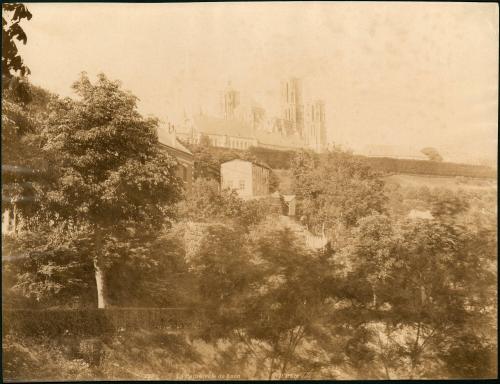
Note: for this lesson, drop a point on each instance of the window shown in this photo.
(242, 184)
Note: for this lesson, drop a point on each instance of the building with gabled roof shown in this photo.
(185, 159)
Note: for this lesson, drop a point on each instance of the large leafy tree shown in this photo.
(266, 293)
(335, 189)
(110, 176)
(416, 287)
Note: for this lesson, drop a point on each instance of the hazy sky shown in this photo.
(407, 74)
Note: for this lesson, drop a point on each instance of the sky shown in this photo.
(400, 74)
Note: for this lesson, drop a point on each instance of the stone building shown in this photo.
(185, 159)
(248, 179)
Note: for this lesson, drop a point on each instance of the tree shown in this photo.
(11, 29)
(23, 163)
(290, 304)
(206, 163)
(336, 189)
(432, 154)
(112, 178)
(265, 292)
(208, 202)
(47, 267)
(414, 286)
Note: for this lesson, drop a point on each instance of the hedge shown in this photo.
(282, 159)
(425, 167)
(93, 322)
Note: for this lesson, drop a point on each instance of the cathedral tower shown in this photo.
(315, 127)
(230, 102)
(292, 107)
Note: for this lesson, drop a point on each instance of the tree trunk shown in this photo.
(14, 225)
(99, 280)
(271, 369)
(6, 221)
(99, 275)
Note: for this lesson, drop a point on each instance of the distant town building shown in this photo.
(248, 179)
(242, 125)
(185, 159)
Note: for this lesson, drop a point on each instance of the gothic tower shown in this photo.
(292, 107)
(229, 102)
(315, 127)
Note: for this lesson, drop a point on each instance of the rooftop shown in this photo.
(170, 140)
(236, 128)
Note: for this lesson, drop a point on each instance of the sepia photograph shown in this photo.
(249, 191)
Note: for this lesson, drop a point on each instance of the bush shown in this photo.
(27, 359)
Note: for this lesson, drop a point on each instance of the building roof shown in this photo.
(170, 140)
(236, 128)
(215, 126)
(275, 139)
(400, 152)
(247, 161)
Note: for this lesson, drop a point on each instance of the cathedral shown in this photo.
(242, 124)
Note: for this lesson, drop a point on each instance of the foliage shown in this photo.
(24, 166)
(109, 179)
(265, 291)
(12, 15)
(337, 188)
(153, 273)
(28, 359)
(421, 288)
(394, 297)
(224, 273)
(47, 267)
(209, 203)
(432, 154)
